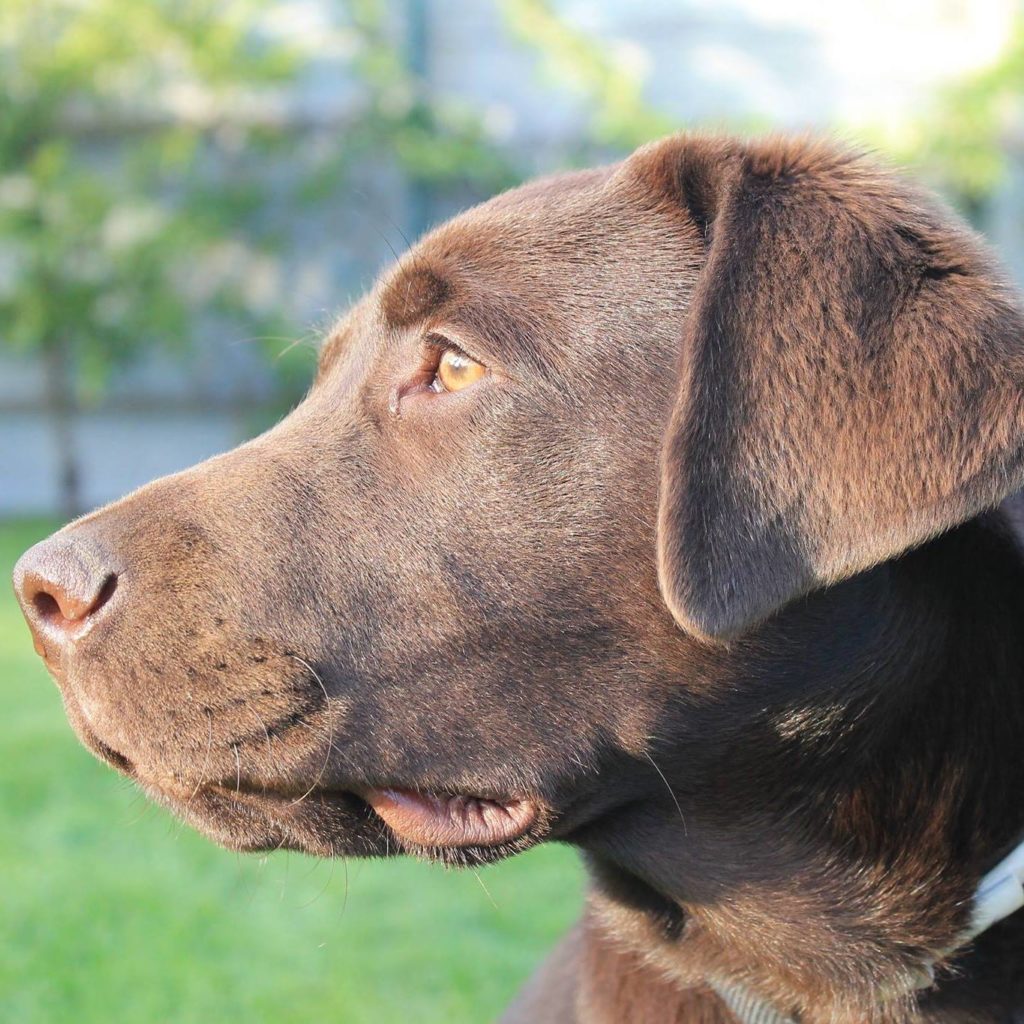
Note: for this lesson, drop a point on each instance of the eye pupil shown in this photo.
(456, 370)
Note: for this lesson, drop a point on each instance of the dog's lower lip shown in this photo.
(451, 820)
(434, 820)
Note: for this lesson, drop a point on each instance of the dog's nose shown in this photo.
(62, 583)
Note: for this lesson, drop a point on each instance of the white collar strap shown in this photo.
(999, 894)
(748, 1008)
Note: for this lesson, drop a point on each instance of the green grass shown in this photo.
(112, 912)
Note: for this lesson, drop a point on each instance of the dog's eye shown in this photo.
(456, 371)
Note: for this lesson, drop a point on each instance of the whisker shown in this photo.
(206, 759)
(246, 881)
(671, 791)
(487, 892)
(287, 868)
(330, 738)
(324, 888)
(403, 260)
(344, 897)
(266, 732)
(295, 343)
(307, 337)
(146, 808)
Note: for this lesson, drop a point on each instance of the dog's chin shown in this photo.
(321, 824)
(359, 820)
(328, 823)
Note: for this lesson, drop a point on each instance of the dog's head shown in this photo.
(581, 435)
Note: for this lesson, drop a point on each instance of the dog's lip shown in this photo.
(420, 818)
(451, 820)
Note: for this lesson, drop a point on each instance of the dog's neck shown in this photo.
(837, 808)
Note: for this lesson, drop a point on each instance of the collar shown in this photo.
(999, 894)
(748, 1008)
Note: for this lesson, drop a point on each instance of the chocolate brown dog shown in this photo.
(646, 509)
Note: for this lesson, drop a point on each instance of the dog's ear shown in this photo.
(852, 379)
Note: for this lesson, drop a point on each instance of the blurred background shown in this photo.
(190, 191)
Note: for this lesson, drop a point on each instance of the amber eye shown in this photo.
(456, 371)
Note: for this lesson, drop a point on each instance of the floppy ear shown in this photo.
(852, 380)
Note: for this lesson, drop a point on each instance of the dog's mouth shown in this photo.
(457, 828)
(452, 819)
(359, 819)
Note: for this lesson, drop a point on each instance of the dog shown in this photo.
(652, 509)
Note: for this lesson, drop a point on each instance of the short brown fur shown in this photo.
(706, 566)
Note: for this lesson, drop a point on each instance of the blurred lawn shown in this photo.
(110, 911)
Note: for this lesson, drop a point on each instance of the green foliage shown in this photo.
(433, 139)
(610, 87)
(107, 209)
(963, 137)
(978, 117)
(137, 174)
(960, 141)
(133, 172)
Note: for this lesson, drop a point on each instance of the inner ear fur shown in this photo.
(851, 383)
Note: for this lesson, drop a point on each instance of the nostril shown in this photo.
(62, 607)
(62, 583)
(46, 607)
(105, 594)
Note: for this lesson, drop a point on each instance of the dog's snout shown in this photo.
(62, 583)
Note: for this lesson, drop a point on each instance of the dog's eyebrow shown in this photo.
(413, 294)
(422, 293)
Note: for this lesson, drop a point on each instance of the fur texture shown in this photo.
(702, 566)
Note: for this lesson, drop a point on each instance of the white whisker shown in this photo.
(330, 739)
(671, 791)
(206, 759)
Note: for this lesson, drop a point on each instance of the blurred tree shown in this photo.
(436, 140)
(603, 76)
(102, 237)
(607, 76)
(134, 140)
(137, 143)
(962, 141)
